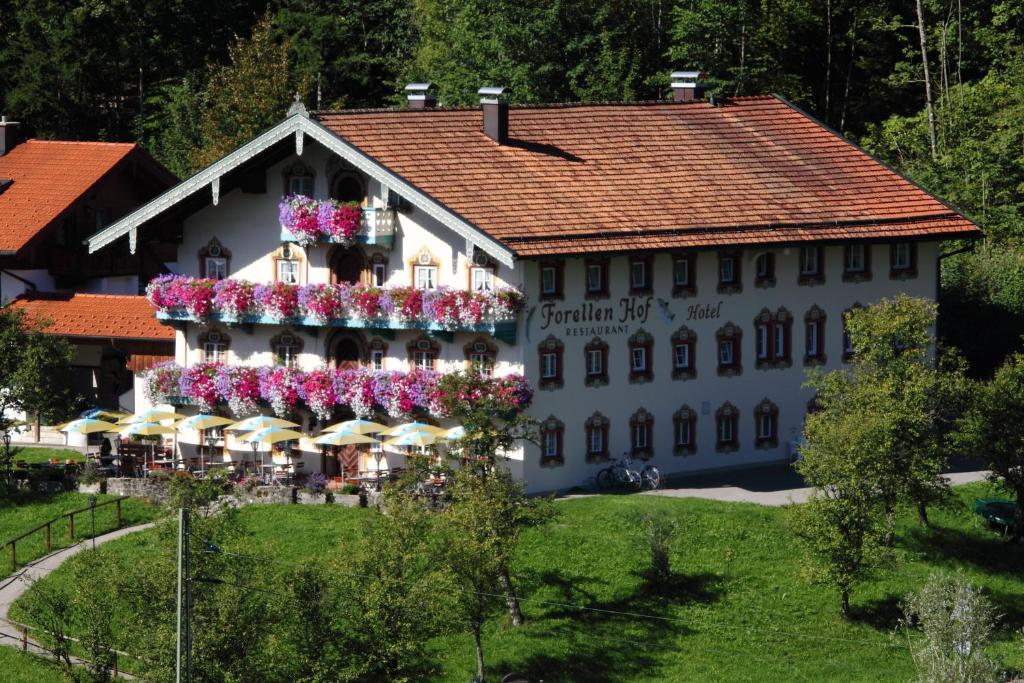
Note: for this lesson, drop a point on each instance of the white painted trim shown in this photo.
(298, 125)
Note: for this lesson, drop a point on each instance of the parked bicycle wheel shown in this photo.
(651, 477)
(631, 479)
(605, 479)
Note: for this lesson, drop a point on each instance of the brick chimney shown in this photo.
(8, 135)
(421, 95)
(495, 112)
(685, 87)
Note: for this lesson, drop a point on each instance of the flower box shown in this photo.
(376, 227)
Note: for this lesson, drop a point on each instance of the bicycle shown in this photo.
(620, 474)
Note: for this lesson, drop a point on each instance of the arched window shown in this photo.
(348, 265)
(766, 422)
(214, 345)
(424, 353)
(596, 435)
(346, 349)
(286, 348)
(684, 353)
(641, 361)
(727, 428)
(814, 336)
(684, 431)
(728, 338)
(481, 355)
(349, 187)
(214, 260)
(552, 437)
(595, 360)
(641, 434)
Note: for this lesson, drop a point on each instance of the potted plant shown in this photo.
(313, 490)
(90, 481)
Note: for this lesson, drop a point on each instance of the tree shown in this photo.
(957, 622)
(33, 366)
(993, 429)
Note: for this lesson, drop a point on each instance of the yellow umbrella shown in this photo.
(342, 439)
(271, 435)
(202, 422)
(414, 439)
(260, 422)
(356, 427)
(149, 416)
(87, 425)
(146, 429)
(398, 430)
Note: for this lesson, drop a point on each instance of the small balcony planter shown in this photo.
(307, 222)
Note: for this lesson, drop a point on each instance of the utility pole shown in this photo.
(183, 659)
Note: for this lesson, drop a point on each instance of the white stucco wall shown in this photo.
(11, 287)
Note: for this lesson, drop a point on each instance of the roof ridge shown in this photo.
(102, 143)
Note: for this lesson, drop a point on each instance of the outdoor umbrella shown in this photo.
(101, 414)
(146, 429)
(342, 439)
(356, 427)
(455, 433)
(414, 439)
(149, 416)
(398, 430)
(202, 421)
(270, 435)
(88, 425)
(260, 422)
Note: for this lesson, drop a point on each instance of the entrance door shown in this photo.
(347, 354)
(347, 266)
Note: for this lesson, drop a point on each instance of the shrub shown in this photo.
(661, 532)
(350, 489)
(315, 483)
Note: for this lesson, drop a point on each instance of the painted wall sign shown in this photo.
(616, 319)
(704, 312)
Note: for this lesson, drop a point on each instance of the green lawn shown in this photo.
(25, 511)
(18, 667)
(43, 455)
(742, 610)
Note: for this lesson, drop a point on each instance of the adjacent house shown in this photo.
(682, 264)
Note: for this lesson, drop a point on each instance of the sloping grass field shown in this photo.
(741, 609)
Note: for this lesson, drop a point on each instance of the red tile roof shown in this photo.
(48, 177)
(94, 315)
(617, 177)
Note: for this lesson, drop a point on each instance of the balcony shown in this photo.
(440, 312)
(375, 226)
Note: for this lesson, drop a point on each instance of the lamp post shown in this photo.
(211, 441)
(117, 449)
(6, 436)
(255, 447)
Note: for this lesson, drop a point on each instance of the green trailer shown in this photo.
(997, 512)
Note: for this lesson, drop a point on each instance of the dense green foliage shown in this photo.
(743, 609)
(19, 667)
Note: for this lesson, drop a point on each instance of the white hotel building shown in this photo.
(684, 262)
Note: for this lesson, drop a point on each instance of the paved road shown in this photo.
(13, 587)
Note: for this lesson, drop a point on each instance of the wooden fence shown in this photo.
(46, 526)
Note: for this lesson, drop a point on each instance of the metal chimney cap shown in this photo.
(419, 87)
(490, 94)
(5, 122)
(685, 75)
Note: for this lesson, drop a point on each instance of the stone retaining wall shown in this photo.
(155, 491)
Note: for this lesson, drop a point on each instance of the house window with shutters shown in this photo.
(286, 348)
(641, 359)
(595, 359)
(424, 353)
(684, 274)
(764, 270)
(728, 339)
(214, 260)
(727, 428)
(596, 274)
(766, 422)
(729, 280)
(214, 344)
(596, 435)
(641, 434)
(812, 266)
(552, 437)
(552, 280)
(814, 336)
(641, 274)
(684, 431)
(857, 263)
(684, 353)
(772, 338)
(481, 355)
(902, 260)
(550, 356)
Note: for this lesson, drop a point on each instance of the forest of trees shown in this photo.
(933, 87)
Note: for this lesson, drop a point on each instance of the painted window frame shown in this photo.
(599, 347)
(641, 341)
(814, 320)
(851, 273)
(557, 270)
(766, 412)
(644, 264)
(903, 271)
(735, 284)
(599, 424)
(552, 431)
(553, 348)
(684, 416)
(690, 287)
(641, 419)
(765, 277)
(727, 416)
(808, 276)
(732, 334)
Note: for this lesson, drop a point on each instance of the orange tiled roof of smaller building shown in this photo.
(49, 176)
(107, 316)
(621, 177)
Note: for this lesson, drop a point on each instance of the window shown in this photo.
(481, 279)
(766, 420)
(772, 338)
(641, 428)
(814, 336)
(423, 353)
(288, 271)
(286, 347)
(728, 340)
(298, 179)
(481, 356)
(640, 270)
(684, 353)
(379, 270)
(426, 277)
(729, 272)
(214, 260)
(684, 275)
(684, 431)
(596, 360)
(812, 267)
(378, 350)
(596, 434)
(764, 270)
(856, 262)
(596, 284)
(552, 431)
(214, 344)
(550, 351)
(640, 345)
(551, 274)
(903, 260)
(848, 349)
(726, 428)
